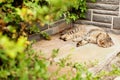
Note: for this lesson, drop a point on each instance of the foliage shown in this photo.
(16, 15)
(18, 61)
(55, 53)
(93, 0)
(17, 18)
(77, 10)
(45, 35)
(11, 48)
(83, 73)
(17, 58)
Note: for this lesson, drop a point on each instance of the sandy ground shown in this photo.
(89, 52)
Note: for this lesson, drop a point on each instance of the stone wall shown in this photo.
(51, 29)
(104, 13)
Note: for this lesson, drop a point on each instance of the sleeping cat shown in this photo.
(83, 35)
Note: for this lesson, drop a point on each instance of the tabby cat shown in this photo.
(83, 35)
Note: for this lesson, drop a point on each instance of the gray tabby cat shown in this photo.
(84, 35)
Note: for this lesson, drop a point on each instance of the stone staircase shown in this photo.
(103, 13)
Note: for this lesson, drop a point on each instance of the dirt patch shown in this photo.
(89, 52)
(83, 54)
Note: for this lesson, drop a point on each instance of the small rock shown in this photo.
(117, 78)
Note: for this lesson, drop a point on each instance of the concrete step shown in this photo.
(106, 25)
(106, 12)
(106, 1)
(102, 18)
(101, 6)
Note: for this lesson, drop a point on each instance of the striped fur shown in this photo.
(84, 36)
(73, 33)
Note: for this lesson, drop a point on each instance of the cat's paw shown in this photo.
(77, 39)
(81, 43)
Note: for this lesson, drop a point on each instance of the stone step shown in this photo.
(101, 6)
(106, 1)
(88, 14)
(105, 25)
(102, 15)
(116, 23)
(106, 12)
(102, 18)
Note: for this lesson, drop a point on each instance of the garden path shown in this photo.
(89, 52)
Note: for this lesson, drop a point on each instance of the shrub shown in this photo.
(19, 62)
(17, 20)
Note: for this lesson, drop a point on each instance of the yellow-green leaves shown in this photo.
(11, 48)
(11, 29)
(26, 14)
(1, 1)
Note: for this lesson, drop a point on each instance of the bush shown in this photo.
(17, 20)
(17, 17)
(19, 62)
(77, 10)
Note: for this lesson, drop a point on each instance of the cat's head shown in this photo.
(105, 41)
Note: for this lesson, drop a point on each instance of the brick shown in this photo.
(41, 27)
(88, 14)
(106, 25)
(60, 28)
(49, 31)
(34, 37)
(106, 1)
(102, 18)
(44, 27)
(109, 1)
(106, 12)
(116, 22)
(103, 6)
(57, 23)
(37, 24)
